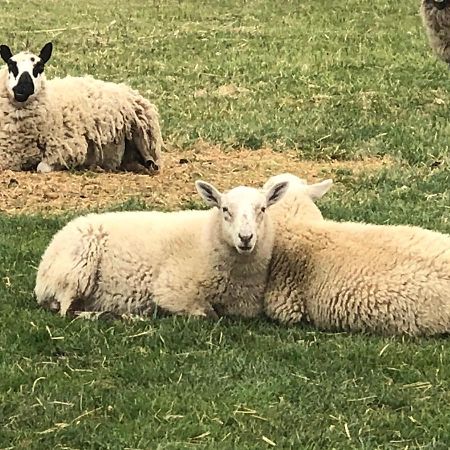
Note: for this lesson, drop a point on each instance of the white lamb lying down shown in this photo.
(359, 277)
(72, 122)
(187, 262)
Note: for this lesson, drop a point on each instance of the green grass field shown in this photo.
(331, 79)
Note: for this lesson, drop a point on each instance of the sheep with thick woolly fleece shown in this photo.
(358, 277)
(72, 122)
(203, 263)
(436, 20)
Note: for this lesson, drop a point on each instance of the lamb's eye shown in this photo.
(225, 209)
(263, 209)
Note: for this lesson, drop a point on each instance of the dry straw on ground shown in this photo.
(51, 193)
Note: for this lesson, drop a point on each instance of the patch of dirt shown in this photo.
(173, 187)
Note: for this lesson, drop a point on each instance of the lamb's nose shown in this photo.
(245, 238)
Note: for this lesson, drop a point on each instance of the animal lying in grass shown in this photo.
(357, 277)
(436, 20)
(72, 122)
(201, 263)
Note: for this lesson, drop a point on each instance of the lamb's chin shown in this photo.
(245, 251)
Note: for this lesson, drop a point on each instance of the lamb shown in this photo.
(201, 263)
(391, 280)
(73, 122)
(436, 20)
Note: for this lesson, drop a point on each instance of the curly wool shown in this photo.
(436, 20)
(136, 262)
(78, 122)
(359, 277)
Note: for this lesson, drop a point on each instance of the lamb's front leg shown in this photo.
(58, 156)
(44, 167)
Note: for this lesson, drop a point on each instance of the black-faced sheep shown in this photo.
(73, 122)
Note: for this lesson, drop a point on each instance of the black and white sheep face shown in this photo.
(25, 72)
(243, 212)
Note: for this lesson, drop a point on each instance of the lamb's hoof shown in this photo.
(96, 315)
(151, 165)
(54, 306)
(212, 315)
(43, 168)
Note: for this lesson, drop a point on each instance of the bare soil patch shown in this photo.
(51, 193)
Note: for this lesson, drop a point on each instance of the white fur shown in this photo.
(356, 276)
(185, 262)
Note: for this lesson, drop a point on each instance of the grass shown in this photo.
(354, 82)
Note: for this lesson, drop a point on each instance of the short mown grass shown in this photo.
(330, 79)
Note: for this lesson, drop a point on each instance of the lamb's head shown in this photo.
(242, 212)
(25, 72)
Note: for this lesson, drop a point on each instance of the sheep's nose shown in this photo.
(245, 238)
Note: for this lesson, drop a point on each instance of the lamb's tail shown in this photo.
(68, 274)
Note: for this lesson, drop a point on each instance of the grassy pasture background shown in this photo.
(333, 80)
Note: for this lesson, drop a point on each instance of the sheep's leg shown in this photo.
(43, 167)
(135, 161)
(95, 315)
(58, 155)
(112, 155)
(207, 312)
(146, 133)
(151, 158)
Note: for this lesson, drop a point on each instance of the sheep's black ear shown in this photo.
(5, 53)
(276, 192)
(46, 52)
(208, 192)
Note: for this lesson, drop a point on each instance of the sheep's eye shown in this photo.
(225, 209)
(263, 209)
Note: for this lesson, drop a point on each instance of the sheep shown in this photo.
(72, 122)
(195, 262)
(436, 20)
(391, 280)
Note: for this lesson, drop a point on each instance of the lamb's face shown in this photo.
(25, 72)
(243, 212)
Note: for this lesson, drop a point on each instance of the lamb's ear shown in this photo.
(46, 52)
(208, 192)
(318, 190)
(276, 192)
(5, 53)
